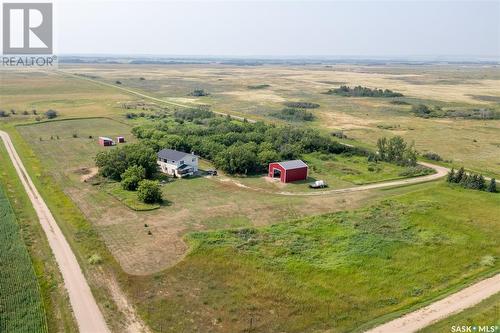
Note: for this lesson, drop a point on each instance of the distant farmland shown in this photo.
(21, 308)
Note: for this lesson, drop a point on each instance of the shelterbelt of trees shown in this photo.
(360, 91)
(237, 147)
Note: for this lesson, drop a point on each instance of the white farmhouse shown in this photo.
(177, 163)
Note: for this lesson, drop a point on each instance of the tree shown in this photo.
(132, 176)
(396, 148)
(451, 176)
(459, 175)
(492, 187)
(410, 156)
(113, 163)
(421, 110)
(480, 183)
(237, 159)
(267, 156)
(149, 191)
(382, 148)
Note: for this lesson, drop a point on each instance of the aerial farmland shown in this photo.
(205, 247)
(143, 191)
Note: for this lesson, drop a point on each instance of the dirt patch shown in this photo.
(86, 173)
(260, 96)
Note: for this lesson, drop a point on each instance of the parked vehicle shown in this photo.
(318, 184)
(212, 172)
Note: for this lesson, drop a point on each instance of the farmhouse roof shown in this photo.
(294, 164)
(173, 155)
(105, 138)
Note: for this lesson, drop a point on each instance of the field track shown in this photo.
(441, 309)
(440, 172)
(88, 316)
(137, 93)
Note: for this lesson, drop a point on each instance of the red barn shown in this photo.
(104, 141)
(288, 171)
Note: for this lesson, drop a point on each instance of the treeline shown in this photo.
(471, 180)
(425, 111)
(49, 114)
(234, 146)
(360, 91)
(293, 114)
(192, 114)
(134, 166)
(302, 105)
(395, 150)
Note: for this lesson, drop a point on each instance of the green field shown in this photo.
(21, 305)
(486, 313)
(335, 271)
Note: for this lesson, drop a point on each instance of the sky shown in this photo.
(280, 28)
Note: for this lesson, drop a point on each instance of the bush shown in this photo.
(51, 114)
(398, 102)
(492, 187)
(421, 110)
(95, 259)
(293, 114)
(130, 183)
(432, 156)
(149, 191)
(198, 93)
(414, 171)
(132, 176)
(302, 105)
(339, 134)
(259, 86)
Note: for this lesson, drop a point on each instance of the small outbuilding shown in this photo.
(288, 171)
(120, 139)
(104, 141)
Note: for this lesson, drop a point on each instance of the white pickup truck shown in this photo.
(318, 184)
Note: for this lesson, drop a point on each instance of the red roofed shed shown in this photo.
(288, 171)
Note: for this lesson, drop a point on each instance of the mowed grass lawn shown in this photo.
(66, 146)
(486, 313)
(337, 170)
(331, 272)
